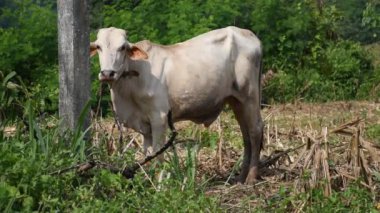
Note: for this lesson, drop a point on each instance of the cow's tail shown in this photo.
(260, 76)
(260, 94)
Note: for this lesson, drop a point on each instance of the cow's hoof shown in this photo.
(253, 177)
(252, 181)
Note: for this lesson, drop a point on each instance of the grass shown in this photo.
(194, 176)
(30, 157)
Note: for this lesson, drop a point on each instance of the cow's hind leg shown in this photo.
(255, 127)
(251, 125)
(238, 110)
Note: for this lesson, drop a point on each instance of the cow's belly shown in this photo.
(198, 107)
(199, 95)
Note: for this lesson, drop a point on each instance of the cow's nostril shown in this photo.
(108, 73)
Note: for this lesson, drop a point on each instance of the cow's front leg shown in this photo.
(147, 142)
(159, 126)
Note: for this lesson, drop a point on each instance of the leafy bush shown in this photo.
(30, 41)
(28, 47)
(312, 62)
(361, 21)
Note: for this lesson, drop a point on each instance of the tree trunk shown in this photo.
(74, 63)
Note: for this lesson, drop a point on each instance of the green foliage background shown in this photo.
(317, 52)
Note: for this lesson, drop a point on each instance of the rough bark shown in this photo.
(74, 73)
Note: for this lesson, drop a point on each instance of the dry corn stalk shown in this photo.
(316, 159)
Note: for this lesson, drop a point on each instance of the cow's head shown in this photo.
(114, 52)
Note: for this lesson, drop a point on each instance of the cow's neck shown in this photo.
(133, 78)
(130, 74)
(129, 94)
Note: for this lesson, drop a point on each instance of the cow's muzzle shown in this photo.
(107, 75)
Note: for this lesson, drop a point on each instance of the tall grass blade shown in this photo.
(79, 138)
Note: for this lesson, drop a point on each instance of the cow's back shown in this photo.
(203, 71)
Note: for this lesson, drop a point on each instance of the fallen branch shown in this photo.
(273, 158)
(81, 166)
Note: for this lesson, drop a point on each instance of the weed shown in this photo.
(373, 132)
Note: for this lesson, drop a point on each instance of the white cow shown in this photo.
(194, 79)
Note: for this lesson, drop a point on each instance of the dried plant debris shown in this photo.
(306, 146)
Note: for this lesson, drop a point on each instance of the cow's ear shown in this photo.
(136, 53)
(93, 49)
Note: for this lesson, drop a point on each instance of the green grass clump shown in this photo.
(373, 132)
(355, 198)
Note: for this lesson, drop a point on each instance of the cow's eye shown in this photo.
(122, 48)
(98, 47)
